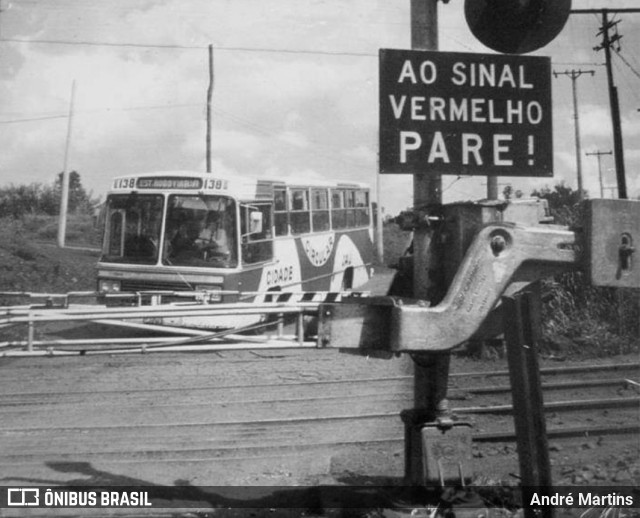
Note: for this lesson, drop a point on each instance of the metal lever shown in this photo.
(625, 252)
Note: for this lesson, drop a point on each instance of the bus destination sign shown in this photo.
(168, 182)
(465, 114)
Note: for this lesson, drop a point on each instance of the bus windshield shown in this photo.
(132, 232)
(200, 231)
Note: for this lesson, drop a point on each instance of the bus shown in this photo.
(235, 238)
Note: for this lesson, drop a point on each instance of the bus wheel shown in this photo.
(347, 279)
(310, 326)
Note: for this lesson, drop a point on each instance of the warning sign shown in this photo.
(465, 114)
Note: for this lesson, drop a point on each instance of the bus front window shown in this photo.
(132, 232)
(200, 231)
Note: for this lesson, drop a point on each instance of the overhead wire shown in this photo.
(190, 47)
(101, 110)
(626, 62)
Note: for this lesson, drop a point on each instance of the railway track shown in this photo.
(231, 417)
(579, 401)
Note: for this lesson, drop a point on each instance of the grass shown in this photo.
(81, 230)
(31, 262)
(580, 318)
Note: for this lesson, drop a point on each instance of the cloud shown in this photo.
(295, 88)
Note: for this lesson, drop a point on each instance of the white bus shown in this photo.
(190, 231)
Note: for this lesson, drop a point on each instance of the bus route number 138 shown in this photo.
(215, 184)
(124, 183)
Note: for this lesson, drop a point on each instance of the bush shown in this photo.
(578, 317)
(17, 201)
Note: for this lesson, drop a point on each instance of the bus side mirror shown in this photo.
(255, 222)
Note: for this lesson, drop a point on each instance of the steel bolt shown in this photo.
(498, 244)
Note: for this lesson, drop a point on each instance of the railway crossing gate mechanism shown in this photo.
(485, 250)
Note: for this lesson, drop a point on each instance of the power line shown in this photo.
(84, 112)
(33, 119)
(622, 73)
(624, 60)
(189, 47)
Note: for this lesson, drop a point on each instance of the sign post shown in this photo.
(461, 114)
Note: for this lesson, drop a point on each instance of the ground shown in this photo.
(29, 263)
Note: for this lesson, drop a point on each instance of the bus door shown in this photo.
(132, 228)
(256, 224)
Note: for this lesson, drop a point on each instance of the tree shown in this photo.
(561, 196)
(509, 193)
(79, 199)
(17, 201)
(563, 203)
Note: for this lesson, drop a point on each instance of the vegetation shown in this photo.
(564, 204)
(17, 201)
(31, 262)
(576, 315)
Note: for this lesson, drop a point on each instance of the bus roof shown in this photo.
(241, 187)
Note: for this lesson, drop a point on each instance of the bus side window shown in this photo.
(338, 216)
(320, 209)
(350, 198)
(362, 208)
(300, 223)
(281, 215)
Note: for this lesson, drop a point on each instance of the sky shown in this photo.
(295, 90)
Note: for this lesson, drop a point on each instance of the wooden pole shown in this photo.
(618, 146)
(379, 223)
(64, 189)
(598, 154)
(492, 187)
(431, 371)
(209, 114)
(574, 75)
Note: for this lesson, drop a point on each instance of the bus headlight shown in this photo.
(108, 286)
(212, 293)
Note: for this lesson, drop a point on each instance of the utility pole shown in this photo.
(598, 154)
(209, 97)
(574, 75)
(427, 188)
(379, 223)
(607, 42)
(492, 187)
(431, 371)
(618, 148)
(64, 188)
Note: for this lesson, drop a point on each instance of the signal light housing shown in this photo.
(516, 26)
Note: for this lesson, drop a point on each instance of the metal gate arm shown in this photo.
(489, 267)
